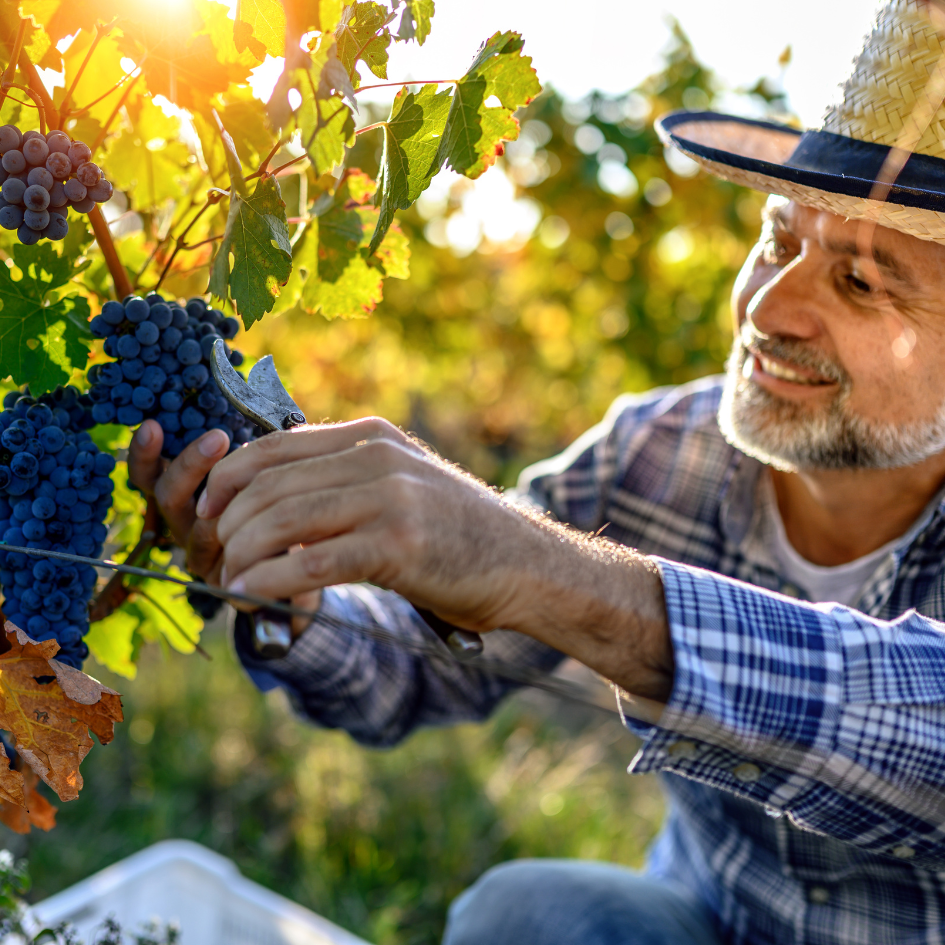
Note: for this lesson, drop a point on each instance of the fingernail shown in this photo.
(202, 504)
(223, 575)
(212, 443)
(238, 586)
(144, 434)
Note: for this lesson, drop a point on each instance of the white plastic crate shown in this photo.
(184, 882)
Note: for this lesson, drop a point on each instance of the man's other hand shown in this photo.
(173, 486)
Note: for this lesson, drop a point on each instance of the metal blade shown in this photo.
(264, 378)
(250, 403)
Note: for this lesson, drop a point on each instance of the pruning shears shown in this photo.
(264, 400)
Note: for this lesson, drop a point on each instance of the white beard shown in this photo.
(791, 436)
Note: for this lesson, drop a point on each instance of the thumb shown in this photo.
(144, 456)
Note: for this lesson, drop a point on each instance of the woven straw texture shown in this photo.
(894, 95)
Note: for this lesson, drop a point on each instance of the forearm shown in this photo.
(598, 602)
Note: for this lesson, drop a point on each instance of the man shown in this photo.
(803, 744)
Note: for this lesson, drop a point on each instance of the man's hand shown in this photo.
(363, 502)
(173, 486)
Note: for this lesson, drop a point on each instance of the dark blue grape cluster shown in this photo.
(37, 186)
(162, 370)
(55, 491)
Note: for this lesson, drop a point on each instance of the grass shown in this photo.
(379, 842)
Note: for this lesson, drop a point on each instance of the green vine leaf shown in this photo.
(415, 21)
(412, 137)
(359, 23)
(475, 131)
(341, 282)
(266, 22)
(327, 127)
(257, 238)
(43, 337)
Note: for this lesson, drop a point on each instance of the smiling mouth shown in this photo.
(781, 371)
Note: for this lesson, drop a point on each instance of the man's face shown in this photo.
(839, 353)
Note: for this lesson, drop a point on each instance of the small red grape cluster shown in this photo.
(40, 178)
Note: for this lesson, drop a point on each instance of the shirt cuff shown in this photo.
(758, 687)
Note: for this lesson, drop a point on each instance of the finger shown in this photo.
(362, 464)
(311, 602)
(204, 552)
(297, 520)
(344, 559)
(175, 490)
(144, 456)
(276, 449)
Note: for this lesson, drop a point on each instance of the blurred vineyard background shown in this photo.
(607, 268)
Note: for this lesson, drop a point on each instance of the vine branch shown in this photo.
(213, 198)
(391, 85)
(106, 244)
(100, 34)
(377, 124)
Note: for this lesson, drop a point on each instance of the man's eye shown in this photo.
(858, 286)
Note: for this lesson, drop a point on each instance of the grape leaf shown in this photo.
(412, 137)
(266, 19)
(341, 283)
(360, 22)
(49, 708)
(327, 127)
(42, 337)
(35, 811)
(257, 237)
(415, 20)
(474, 131)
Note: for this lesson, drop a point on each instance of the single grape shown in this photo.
(153, 379)
(160, 315)
(27, 235)
(128, 346)
(79, 153)
(104, 413)
(58, 227)
(121, 394)
(195, 376)
(13, 162)
(57, 195)
(32, 133)
(169, 421)
(101, 192)
(133, 369)
(179, 318)
(58, 142)
(58, 165)
(150, 354)
(142, 398)
(110, 374)
(171, 339)
(39, 175)
(74, 189)
(113, 313)
(130, 416)
(10, 138)
(90, 174)
(35, 150)
(147, 333)
(36, 219)
(229, 328)
(83, 206)
(36, 197)
(11, 217)
(137, 310)
(13, 190)
(189, 352)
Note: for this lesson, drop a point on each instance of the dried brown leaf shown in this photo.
(37, 812)
(49, 708)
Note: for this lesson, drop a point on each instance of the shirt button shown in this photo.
(747, 773)
(684, 750)
(903, 852)
(790, 590)
(819, 896)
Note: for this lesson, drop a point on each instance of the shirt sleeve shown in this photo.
(817, 711)
(340, 677)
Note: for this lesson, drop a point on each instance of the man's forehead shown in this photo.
(895, 251)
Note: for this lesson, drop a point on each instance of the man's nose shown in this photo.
(786, 306)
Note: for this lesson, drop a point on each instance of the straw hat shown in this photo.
(880, 153)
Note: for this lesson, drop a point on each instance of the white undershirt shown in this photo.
(840, 584)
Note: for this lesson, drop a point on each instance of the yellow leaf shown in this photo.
(267, 19)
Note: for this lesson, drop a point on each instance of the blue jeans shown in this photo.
(574, 902)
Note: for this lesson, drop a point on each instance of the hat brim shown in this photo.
(758, 154)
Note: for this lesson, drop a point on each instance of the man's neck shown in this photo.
(832, 517)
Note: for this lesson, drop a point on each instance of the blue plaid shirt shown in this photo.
(803, 747)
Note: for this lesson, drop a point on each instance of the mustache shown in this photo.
(793, 352)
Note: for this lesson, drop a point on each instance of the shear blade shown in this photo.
(249, 402)
(264, 379)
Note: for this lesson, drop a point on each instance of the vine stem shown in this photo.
(378, 124)
(391, 85)
(10, 70)
(278, 170)
(106, 244)
(213, 198)
(100, 137)
(100, 34)
(37, 101)
(36, 84)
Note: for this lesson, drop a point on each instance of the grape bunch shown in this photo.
(41, 177)
(55, 491)
(162, 370)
